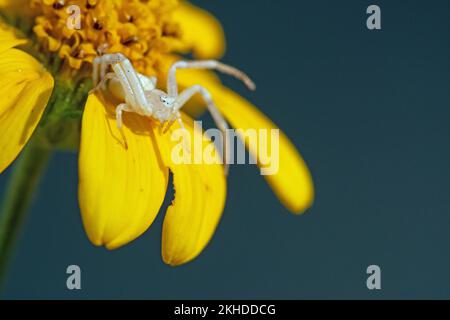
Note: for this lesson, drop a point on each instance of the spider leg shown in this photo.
(133, 88)
(119, 113)
(128, 77)
(108, 76)
(100, 67)
(220, 121)
(168, 124)
(99, 73)
(172, 86)
(101, 64)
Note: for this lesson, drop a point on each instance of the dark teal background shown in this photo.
(369, 111)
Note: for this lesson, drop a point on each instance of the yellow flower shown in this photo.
(25, 88)
(122, 189)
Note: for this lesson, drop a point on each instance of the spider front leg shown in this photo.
(100, 65)
(172, 87)
(126, 75)
(130, 86)
(219, 120)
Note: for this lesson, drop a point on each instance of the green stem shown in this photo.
(21, 187)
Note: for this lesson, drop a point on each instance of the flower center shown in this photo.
(80, 30)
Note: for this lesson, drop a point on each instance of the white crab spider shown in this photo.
(141, 95)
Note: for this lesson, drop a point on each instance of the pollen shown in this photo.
(80, 30)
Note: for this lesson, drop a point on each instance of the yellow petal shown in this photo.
(25, 88)
(201, 31)
(200, 192)
(292, 183)
(9, 38)
(120, 190)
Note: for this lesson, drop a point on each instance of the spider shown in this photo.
(142, 97)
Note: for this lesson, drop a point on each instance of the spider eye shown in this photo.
(167, 101)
